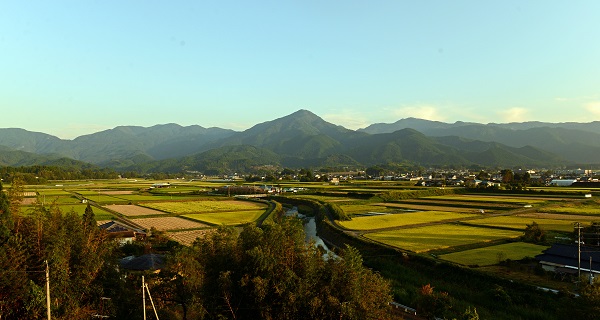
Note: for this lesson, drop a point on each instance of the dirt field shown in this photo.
(168, 223)
(130, 210)
(28, 201)
(188, 237)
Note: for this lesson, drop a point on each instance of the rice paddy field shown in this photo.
(143, 197)
(578, 208)
(187, 207)
(520, 222)
(490, 199)
(423, 239)
(353, 209)
(424, 207)
(491, 255)
(401, 219)
(133, 210)
(227, 218)
(168, 223)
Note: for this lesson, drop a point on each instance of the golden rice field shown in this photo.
(186, 207)
(519, 223)
(401, 219)
(491, 255)
(227, 218)
(443, 236)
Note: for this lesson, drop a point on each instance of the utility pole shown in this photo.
(144, 297)
(578, 226)
(47, 290)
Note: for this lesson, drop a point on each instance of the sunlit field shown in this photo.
(227, 218)
(428, 238)
(185, 207)
(401, 219)
(494, 254)
(519, 223)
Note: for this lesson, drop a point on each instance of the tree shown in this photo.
(431, 304)
(534, 233)
(270, 273)
(507, 176)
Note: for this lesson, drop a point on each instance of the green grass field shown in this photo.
(364, 208)
(186, 207)
(494, 254)
(429, 238)
(227, 218)
(400, 219)
(520, 223)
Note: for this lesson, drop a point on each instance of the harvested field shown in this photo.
(188, 237)
(401, 219)
(428, 238)
(28, 201)
(494, 254)
(227, 218)
(185, 207)
(431, 208)
(168, 223)
(133, 210)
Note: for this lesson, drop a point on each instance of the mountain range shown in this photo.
(302, 139)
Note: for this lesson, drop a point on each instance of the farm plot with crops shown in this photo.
(133, 210)
(490, 198)
(143, 197)
(401, 219)
(187, 207)
(494, 254)
(586, 208)
(352, 209)
(422, 207)
(436, 237)
(168, 223)
(227, 218)
(520, 222)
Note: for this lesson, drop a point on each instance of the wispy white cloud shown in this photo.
(428, 112)
(514, 114)
(593, 107)
(348, 119)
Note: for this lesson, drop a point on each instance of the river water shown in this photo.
(310, 229)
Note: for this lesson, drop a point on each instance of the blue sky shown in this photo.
(69, 68)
